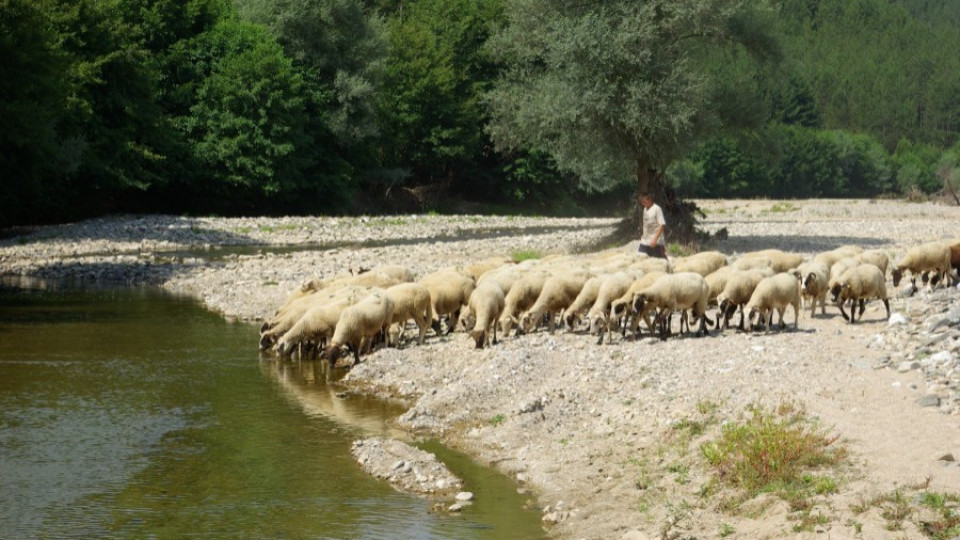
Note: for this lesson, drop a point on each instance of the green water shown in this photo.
(135, 414)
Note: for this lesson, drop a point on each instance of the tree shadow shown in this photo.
(813, 243)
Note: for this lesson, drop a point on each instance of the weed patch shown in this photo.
(775, 452)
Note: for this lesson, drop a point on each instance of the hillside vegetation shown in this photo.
(244, 107)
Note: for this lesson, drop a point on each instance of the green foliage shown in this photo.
(614, 90)
(246, 118)
(522, 255)
(771, 452)
(915, 166)
(33, 97)
(434, 78)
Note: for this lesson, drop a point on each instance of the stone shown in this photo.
(455, 507)
(942, 357)
(897, 319)
(464, 496)
(946, 457)
(929, 400)
(908, 365)
(634, 535)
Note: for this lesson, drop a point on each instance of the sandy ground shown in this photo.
(596, 433)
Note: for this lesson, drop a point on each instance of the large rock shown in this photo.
(407, 468)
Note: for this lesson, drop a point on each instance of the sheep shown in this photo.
(839, 267)
(612, 288)
(780, 261)
(830, 257)
(737, 292)
(317, 325)
(621, 309)
(313, 286)
(703, 263)
(359, 323)
(814, 278)
(449, 291)
(652, 264)
(717, 280)
(775, 293)
(558, 293)
(954, 246)
(861, 283)
(752, 262)
(875, 257)
(686, 290)
(398, 272)
(478, 269)
(583, 301)
(932, 256)
(522, 295)
(505, 277)
(283, 322)
(486, 303)
(410, 301)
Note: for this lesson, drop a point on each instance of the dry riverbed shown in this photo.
(601, 435)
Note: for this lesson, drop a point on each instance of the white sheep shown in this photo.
(932, 256)
(780, 261)
(612, 288)
(737, 292)
(410, 301)
(522, 295)
(558, 293)
(358, 324)
(775, 293)
(875, 257)
(717, 280)
(449, 291)
(504, 276)
(752, 262)
(672, 292)
(583, 302)
(830, 257)
(814, 278)
(486, 303)
(703, 263)
(652, 264)
(316, 326)
(839, 267)
(478, 269)
(622, 315)
(284, 321)
(858, 284)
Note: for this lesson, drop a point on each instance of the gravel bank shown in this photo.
(591, 429)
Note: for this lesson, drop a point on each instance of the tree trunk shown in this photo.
(681, 221)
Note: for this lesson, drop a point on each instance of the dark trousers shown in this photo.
(657, 251)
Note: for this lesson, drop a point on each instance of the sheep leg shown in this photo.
(842, 312)
(863, 306)
(742, 317)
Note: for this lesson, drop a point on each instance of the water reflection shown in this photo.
(304, 382)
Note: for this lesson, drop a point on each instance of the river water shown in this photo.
(132, 413)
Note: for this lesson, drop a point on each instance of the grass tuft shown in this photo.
(773, 452)
(525, 254)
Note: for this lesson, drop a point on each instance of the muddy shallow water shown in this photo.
(135, 413)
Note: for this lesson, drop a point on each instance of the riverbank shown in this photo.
(590, 429)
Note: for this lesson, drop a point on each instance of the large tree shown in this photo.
(617, 90)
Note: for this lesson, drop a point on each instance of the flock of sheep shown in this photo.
(599, 294)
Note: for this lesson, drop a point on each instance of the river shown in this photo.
(133, 413)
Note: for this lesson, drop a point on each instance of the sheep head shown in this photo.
(897, 276)
(332, 353)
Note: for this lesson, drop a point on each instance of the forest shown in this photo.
(562, 107)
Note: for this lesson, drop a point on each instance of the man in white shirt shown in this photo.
(653, 224)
